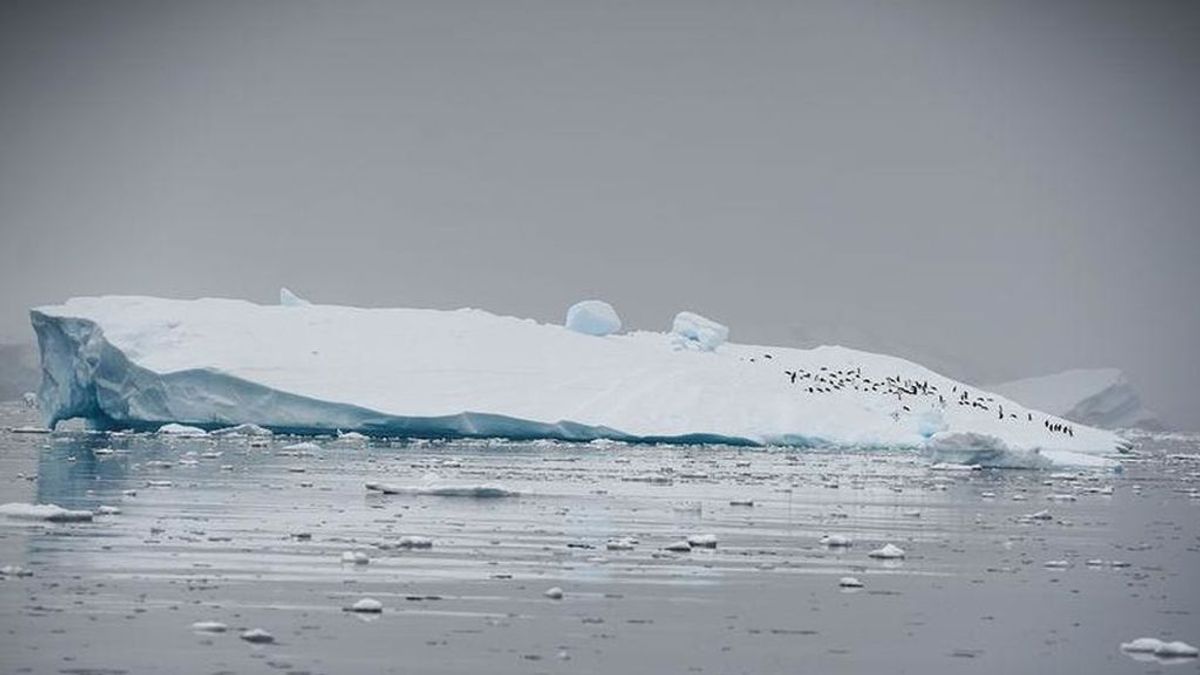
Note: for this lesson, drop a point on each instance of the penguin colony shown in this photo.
(824, 381)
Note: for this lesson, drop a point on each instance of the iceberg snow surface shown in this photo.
(140, 362)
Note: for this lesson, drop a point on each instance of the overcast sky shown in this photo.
(1000, 189)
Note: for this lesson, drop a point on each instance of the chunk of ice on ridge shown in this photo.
(593, 317)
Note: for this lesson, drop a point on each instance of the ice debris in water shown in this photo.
(1160, 648)
(244, 430)
(108, 511)
(302, 446)
(367, 606)
(593, 317)
(693, 331)
(209, 627)
(554, 593)
(887, 552)
(14, 571)
(257, 636)
(434, 490)
(355, 558)
(836, 540)
(414, 541)
(681, 546)
(850, 582)
(621, 544)
(182, 430)
(703, 540)
(49, 512)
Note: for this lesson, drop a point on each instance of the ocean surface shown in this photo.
(251, 535)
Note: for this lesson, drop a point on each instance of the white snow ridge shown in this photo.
(141, 363)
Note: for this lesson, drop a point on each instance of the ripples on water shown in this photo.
(254, 536)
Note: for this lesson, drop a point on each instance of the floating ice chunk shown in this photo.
(181, 430)
(887, 552)
(303, 446)
(14, 571)
(1041, 515)
(29, 430)
(951, 466)
(593, 317)
(474, 491)
(554, 593)
(352, 436)
(1159, 648)
(108, 511)
(1057, 564)
(850, 582)
(414, 541)
(244, 430)
(1176, 649)
(290, 299)
(367, 606)
(836, 540)
(257, 636)
(209, 627)
(678, 547)
(702, 540)
(355, 558)
(698, 332)
(49, 512)
(30, 399)
(621, 544)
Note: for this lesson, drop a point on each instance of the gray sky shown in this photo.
(1002, 189)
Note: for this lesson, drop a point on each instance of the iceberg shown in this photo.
(1101, 397)
(290, 299)
(123, 362)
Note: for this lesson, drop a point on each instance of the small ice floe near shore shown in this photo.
(435, 490)
(367, 606)
(47, 512)
(1160, 649)
(209, 627)
(554, 593)
(181, 430)
(702, 540)
(887, 552)
(836, 541)
(257, 636)
(850, 582)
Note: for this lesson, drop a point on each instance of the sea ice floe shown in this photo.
(951, 466)
(244, 430)
(182, 430)
(1148, 645)
(355, 558)
(107, 511)
(48, 512)
(850, 582)
(621, 544)
(678, 546)
(836, 540)
(887, 552)
(414, 541)
(476, 491)
(1057, 564)
(367, 606)
(554, 593)
(209, 627)
(702, 540)
(302, 446)
(14, 571)
(257, 636)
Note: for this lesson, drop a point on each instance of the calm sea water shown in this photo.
(253, 536)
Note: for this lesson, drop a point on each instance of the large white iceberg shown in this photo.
(138, 362)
